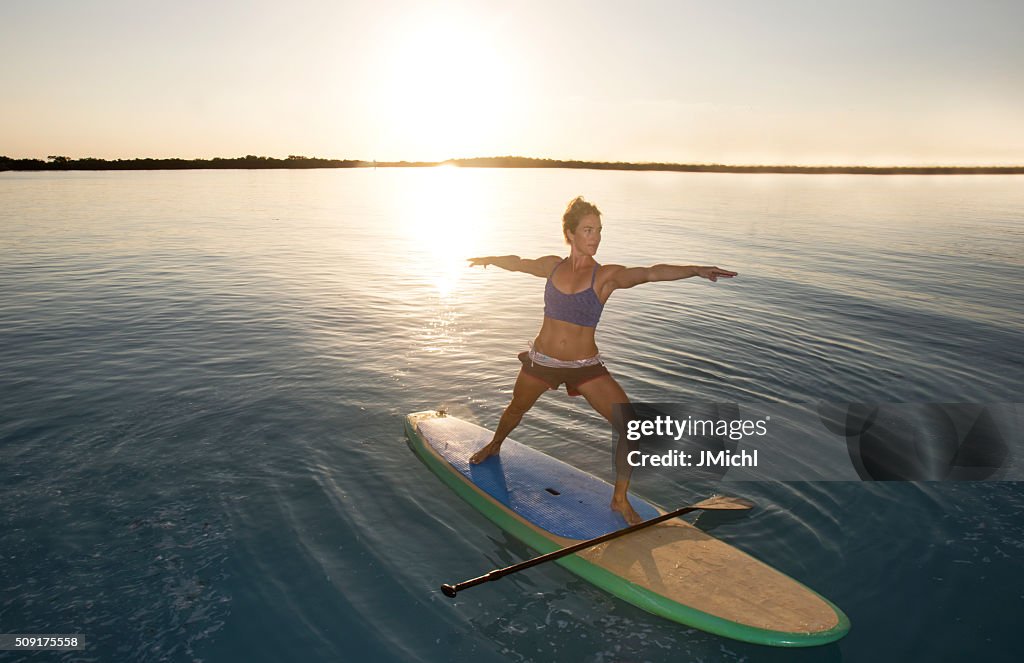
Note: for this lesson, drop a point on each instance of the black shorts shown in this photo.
(554, 377)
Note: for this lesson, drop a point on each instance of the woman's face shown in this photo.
(587, 237)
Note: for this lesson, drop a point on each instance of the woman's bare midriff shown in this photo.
(564, 340)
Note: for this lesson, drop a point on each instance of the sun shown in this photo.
(446, 90)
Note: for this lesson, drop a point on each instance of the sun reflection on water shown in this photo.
(444, 218)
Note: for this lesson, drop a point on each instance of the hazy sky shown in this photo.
(726, 81)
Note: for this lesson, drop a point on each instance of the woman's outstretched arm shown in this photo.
(627, 277)
(538, 267)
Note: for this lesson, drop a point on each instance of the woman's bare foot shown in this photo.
(491, 449)
(626, 510)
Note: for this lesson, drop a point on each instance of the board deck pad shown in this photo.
(547, 492)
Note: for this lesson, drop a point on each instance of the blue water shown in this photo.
(203, 378)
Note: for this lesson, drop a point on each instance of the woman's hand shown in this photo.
(481, 262)
(712, 273)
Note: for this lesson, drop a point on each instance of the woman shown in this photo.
(564, 350)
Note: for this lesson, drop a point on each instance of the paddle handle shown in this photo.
(451, 590)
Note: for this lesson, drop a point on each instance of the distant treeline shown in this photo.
(250, 161)
(524, 162)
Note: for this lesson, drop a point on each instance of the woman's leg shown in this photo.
(603, 394)
(526, 392)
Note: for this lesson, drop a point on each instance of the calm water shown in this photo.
(203, 377)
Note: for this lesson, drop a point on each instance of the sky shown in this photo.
(808, 82)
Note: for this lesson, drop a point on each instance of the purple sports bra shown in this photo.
(580, 308)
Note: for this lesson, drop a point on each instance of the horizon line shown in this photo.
(54, 162)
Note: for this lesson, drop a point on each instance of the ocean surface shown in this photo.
(204, 377)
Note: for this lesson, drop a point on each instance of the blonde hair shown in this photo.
(576, 210)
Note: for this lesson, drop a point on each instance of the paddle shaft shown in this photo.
(451, 590)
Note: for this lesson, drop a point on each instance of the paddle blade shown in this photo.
(724, 502)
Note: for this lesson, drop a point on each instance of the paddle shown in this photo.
(712, 503)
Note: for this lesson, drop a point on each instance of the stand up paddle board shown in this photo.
(671, 569)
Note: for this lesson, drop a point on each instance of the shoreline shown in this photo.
(251, 162)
